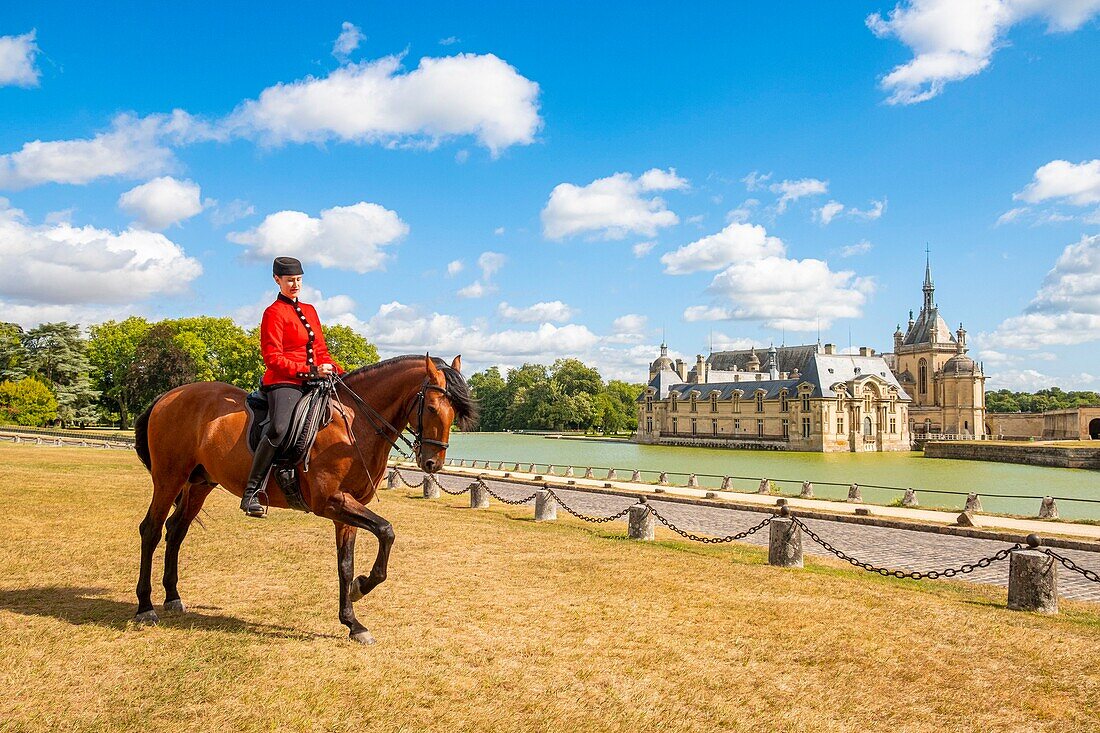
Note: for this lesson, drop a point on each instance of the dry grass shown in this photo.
(490, 622)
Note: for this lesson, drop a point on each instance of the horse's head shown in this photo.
(443, 400)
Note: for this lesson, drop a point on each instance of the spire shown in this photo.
(929, 288)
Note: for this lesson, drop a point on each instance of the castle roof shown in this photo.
(928, 322)
(787, 358)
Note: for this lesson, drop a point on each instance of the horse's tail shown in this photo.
(141, 435)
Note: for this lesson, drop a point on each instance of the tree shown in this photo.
(12, 353)
(348, 348)
(1052, 398)
(221, 350)
(573, 378)
(160, 364)
(27, 402)
(491, 392)
(530, 395)
(55, 354)
(112, 348)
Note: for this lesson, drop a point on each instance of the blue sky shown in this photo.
(732, 172)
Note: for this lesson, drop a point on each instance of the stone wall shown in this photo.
(1034, 455)
(1014, 425)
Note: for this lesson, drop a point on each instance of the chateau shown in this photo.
(810, 398)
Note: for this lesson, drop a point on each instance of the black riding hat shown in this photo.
(286, 266)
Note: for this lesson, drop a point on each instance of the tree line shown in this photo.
(566, 395)
(56, 375)
(1054, 398)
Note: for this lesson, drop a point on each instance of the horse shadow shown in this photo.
(82, 606)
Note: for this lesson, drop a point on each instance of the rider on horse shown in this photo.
(294, 351)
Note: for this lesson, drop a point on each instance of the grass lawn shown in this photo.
(489, 622)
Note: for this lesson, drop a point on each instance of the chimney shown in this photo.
(830, 348)
(681, 370)
(866, 351)
(700, 370)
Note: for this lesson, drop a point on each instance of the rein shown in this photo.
(383, 428)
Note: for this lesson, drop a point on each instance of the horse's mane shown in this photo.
(458, 391)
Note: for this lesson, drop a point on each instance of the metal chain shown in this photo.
(498, 497)
(402, 479)
(585, 517)
(710, 540)
(1071, 565)
(913, 574)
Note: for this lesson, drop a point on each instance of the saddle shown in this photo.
(313, 412)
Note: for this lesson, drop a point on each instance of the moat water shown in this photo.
(929, 476)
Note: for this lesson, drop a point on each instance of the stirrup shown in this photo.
(246, 506)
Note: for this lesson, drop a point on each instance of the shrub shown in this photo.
(27, 402)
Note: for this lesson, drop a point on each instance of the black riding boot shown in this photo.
(261, 465)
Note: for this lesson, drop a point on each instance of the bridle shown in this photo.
(387, 431)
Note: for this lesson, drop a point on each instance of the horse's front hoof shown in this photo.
(356, 593)
(147, 617)
(175, 606)
(362, 637)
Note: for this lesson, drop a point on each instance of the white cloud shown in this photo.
(628, 329)
(743, 212)
(131, 149)
(1012, 215)
(235, 210)
(462, 156)
(641, 249)
(955, 39)
(828, 212)
(797, 295)
(791, 191)
(859, 248)
(1073, 183)
(449, 41)
(454, 267)
(349, 39)
(377, 102)
(65, 265)
(489, 263)
(611, 207)
(1032, 380)
(499, 231)
(1066, 309)
(877, 209)
(553, 311)
(344, 237)
(715, 251)
(755, 181)
(475, 290)
(722, 342)
(162, 202)
(17, 56)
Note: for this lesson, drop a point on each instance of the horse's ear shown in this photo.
(433, 371)
(457, 363)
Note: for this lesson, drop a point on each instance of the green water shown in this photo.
(928, 476)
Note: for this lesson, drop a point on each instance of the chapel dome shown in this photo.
(960, 364)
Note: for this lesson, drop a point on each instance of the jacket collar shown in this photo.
(286, 299)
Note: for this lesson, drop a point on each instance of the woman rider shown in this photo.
(294, 351)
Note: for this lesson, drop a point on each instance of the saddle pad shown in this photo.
(312, 413)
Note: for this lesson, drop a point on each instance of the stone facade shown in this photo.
(930, 363)
(804, 398)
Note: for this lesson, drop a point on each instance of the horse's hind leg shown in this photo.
(150, 529)
(187, 509)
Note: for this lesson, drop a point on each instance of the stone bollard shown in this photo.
(855, 496)
(636, 477)
(1032, 581)
(569, 472)
(611, 473)
(588, 472)
(500, 466)
(546, 509)
(1048, 509)
(764, 487)
(515, 468)
(973, 504)
(910, 498)
(431, 488)
(663, 479)
(807, 490)
(711, 495)
(550, 470)
(727, 483)
(640, 523)
(479, 497)
(784, 543)
(391, 482)
(531, 468)
(38, 441)
(693, 481)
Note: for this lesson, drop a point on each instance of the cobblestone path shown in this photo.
(883, 546)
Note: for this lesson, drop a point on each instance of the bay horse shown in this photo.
(193, 439)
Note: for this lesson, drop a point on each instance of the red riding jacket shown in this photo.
(292, 343)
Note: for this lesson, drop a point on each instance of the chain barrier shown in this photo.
(966, 567)
(498, 497)
(586, 517)
(445, 490)
(709, 540)
(1071, 565)
(402, 479)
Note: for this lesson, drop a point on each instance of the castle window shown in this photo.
(840, 425)
(714, 402)
(922, 383)
(784, 402)
(736, 425)
(714, 427)
(649, 425)
(672, 404)
(805, 401)
(893, 425)
(693, 426)
(786, 428)
(868, 427)
(737, 403)
(649, 404)
(759, 403)
(674, 425)
(805, 427)
(693, 406)
(760, 428)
